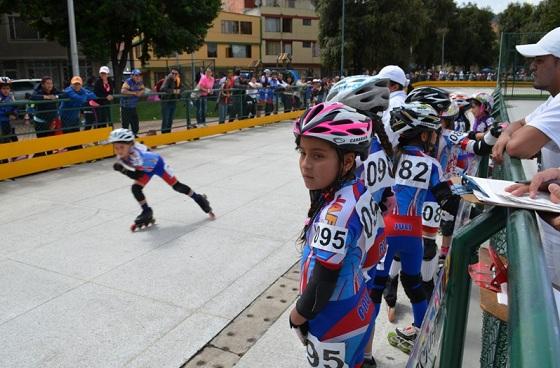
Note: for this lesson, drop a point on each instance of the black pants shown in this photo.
(129, 119)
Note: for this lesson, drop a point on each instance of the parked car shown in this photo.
(23, 88)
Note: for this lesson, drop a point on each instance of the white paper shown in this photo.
(503, 296)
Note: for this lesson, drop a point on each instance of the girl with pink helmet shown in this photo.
(332, 316)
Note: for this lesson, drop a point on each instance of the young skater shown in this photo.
(136, 162)
(332, 316)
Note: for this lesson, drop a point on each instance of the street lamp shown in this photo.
(443, 32)
(342, 34)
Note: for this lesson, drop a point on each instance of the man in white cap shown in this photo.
(540, 131)
(397, 84)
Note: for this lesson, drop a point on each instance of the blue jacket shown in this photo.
(6, 108)
(70, 110)
(131, 101)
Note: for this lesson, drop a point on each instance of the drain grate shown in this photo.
(226, 348)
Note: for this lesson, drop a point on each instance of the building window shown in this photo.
(272, 24)
(246, 28)
(306, 44)
(287, 25)
(288, 48)
(271, 3)
(21, 31)
(212, 49)
(230, 26)
(273, 48)
(316, 52)
(291, 3)
(238, 51)
(306, 21)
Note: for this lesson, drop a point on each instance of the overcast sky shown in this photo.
(498, 6)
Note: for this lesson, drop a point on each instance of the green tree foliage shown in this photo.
(377, 32)
(109, 29)
(516, 18)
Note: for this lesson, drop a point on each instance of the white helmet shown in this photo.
(121, 135)
(5, 80)
(361, 92)
(452, 111)
(413, 118)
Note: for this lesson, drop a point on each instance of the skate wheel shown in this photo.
(212, 215)
(133, 227)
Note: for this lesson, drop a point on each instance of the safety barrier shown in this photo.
(89, 144)
(533, 339)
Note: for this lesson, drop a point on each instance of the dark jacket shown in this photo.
(46, 111)
(168, 86)
(101, 92)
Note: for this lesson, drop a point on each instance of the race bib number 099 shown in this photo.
(370, 217)
(325, 354)
(329, 237)
(431, 214)
(414, 171)
(377, 172)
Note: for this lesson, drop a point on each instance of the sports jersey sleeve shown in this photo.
(436, 176)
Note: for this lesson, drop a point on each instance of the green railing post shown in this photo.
(535, 336)
(465, 242)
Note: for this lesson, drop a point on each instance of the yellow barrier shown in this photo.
(37, 164)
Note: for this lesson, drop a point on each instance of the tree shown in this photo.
(377, 32)
(515, 18)
(109, 29)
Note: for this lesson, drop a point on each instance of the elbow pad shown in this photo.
(448, 201)
(318, 292)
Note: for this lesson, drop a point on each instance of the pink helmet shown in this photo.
(336, 123)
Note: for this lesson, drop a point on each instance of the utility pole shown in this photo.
(73, 42)
(342, 40)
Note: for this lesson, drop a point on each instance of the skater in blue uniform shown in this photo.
(139, 164)
(332, 316)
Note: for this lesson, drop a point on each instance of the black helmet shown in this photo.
(436, 97)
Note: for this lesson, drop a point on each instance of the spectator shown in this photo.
(76, 98)
(540, 130)
(288, 94)
(132, 88)
(281, 90)
(46, 118)
(317, 92)
(103, 89)
(90, 115)
(265, 77)
(252, 96)
(224, 97)
(8, 111)
(397, 85)
(205, 87)
(171, 86)
(236, 102)
(273, 85)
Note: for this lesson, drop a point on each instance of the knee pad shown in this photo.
(379, 285)
(430, 249)
(181, 188)
(137, 192)
(395, 267)
(413, 287)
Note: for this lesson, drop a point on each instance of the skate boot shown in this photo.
(143, 220)
(369, 363)
(204, 204)
(404, 338)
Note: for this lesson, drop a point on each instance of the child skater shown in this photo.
(136, 162)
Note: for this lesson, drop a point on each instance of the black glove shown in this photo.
(496, 131)
(301, 331)
(472, 135)
(117, 166)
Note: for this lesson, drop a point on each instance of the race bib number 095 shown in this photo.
(329, 237)
(377, 172)
(414, 171)
(325, 354)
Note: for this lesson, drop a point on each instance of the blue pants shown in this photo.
(167, 114)
(201, 107)
(222, 112)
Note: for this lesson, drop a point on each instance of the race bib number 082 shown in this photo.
(377, 172)
(413, 171)
(329, 237)
(325, 354)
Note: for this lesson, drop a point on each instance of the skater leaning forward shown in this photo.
(144, 165)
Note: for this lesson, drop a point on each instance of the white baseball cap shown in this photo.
(395, 74)
(104, 69)
(548, 45)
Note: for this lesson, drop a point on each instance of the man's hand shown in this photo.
(554, 190)
(539, 182)
(500, 147)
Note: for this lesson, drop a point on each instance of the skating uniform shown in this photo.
(343, 231)
(150, 164)
(415, 175)
(376, 174)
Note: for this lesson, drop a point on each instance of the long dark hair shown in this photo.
(318, 198)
